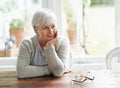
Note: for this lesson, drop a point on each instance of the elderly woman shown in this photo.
(45, 53)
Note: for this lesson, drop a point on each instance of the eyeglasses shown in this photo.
(82, 78)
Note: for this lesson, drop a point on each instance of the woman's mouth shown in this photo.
(50, 36)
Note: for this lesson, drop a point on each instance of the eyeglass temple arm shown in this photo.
(79, 81)
(90, 78)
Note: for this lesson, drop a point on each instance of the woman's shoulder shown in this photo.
(29, 41)
(62, 39)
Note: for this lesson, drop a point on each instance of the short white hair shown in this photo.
(43, 16)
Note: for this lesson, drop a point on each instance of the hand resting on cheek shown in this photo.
(53, 41)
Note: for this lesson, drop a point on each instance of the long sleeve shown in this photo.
(23, 67)
(57, 59)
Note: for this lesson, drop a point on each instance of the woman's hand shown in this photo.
(67, 71)
(54, 40)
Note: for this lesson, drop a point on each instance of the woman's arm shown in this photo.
(57, 60)
(23, 67)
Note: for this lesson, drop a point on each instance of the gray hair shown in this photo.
(42, 17)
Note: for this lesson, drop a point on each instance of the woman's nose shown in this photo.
(50, 30)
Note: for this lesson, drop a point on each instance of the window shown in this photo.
(96, 35)
(20, 10)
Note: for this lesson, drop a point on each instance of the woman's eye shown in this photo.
(44, 27)
(53, 26)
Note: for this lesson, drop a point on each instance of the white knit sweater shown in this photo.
(57, 58)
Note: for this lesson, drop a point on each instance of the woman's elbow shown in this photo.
(20, 72)
(20, 76)
(58, 72)
(57, 75)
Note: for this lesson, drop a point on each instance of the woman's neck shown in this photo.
(42, 44)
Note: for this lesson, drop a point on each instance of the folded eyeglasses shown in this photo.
(82, 78)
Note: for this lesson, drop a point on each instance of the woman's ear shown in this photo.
(35, 29)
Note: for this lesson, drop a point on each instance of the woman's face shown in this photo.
(47, 32)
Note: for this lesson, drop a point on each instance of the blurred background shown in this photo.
(89, 26)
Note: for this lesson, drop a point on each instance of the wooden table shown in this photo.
(103, 79)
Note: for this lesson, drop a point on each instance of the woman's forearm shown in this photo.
(32, 71)
(55, 64)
